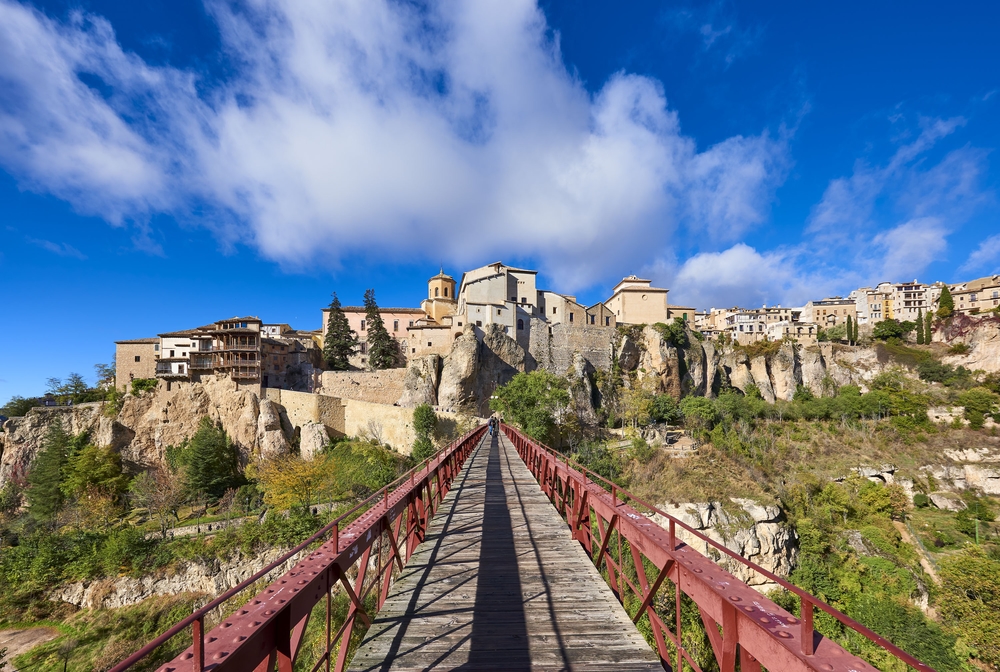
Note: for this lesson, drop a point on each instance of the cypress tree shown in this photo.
(383, 353)
(928, 323)
(920, 327)
(850, 330)
(44, 495)
(340, 341)
(946, 304)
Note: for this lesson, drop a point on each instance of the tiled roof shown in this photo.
(139, 341)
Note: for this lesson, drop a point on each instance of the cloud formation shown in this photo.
(985, 258)
(374, 128)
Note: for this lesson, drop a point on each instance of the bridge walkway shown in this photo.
(499, 584)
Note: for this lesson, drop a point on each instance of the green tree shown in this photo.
(928, 324)
(699, 412)
(424, 424)
(533, 401)
(383, 352)
(18, 406)
(946, 304)
(921, 340)
(887, 329)
(44, 494)
(978, 402)
(211, 462)
(105, 374)
(94, 468)
(340, 341)
(665, 409)
(850, 330)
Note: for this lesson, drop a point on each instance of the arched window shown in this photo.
(520, 325)
(436, 291)
(446, 292)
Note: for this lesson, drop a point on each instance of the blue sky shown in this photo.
(167, 164)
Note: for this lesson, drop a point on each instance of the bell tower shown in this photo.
(440, 299)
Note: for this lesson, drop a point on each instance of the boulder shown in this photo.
(948, 501)
(785, 372)
(271, 439)
(313, 438)
(500, 359)
(762, 378)
(582, 389)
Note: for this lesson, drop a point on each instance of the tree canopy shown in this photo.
(946, 303)
(209, 460)
(340, 341)
(383, 352)
(533, 401)
(424, 424)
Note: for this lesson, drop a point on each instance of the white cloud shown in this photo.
(60, 249)
(986, 257)
(743, 276)
(374, 128)
(911, 247)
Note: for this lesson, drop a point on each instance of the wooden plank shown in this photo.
(499, 583)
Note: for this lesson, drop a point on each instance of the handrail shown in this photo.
(618, 496)
(415, 478)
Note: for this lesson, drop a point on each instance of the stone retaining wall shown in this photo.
(377, 387)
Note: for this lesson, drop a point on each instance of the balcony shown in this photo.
(231, 347)
(164, 370)
(202, 362)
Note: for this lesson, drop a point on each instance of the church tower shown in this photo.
(440, 301)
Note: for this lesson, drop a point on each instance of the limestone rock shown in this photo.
(660, 364)
(694, 381)
(582, 389)
(786, 374)
(271, 439)
(813, 369)
(737, 368)
(312, 439)
(458, 373)
(982, 335)
(947, 501)
(421, 383)
(757, 532)
(500, 359)
(23, 437)
(628, 353)
(762, 378)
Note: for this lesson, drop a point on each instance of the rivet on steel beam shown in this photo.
(826, 666)
(212, 639)
(227, 625)
(735, 598)
(221, 654)
(187, 655)
(792, 620)
(785, 635)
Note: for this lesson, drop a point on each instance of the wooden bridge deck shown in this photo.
(499, 584)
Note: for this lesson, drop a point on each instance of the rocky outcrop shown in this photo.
(581, 389)
(785, 372)
(981, 335)
(457, 389)
(313, 438)
(758, 532)
(23, 437)
(421, 383)
(210, 579)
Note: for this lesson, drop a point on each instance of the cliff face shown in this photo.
(150, 422)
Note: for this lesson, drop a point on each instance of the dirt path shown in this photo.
(23, 640)
(924, 560)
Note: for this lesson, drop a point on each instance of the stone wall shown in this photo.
(302, 408)
(553, 347)
(377, 387)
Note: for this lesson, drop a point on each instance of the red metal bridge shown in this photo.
(499, 553)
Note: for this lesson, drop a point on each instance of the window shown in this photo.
(446, 292)
(607, 321)
(156, 348)
(996, 295)
(436, 292)
(171, 353)
(428, 344)
(524, 299)
(395, 325)
(411, 323)
(364, 348)
(571, 317)
(972, 298)
(180, 368)
(460, 324)
(479, 323)
(553, 310)
(362, 325)
(137, 358)
(592, 318)
(514, 299)
(414, 351)
(520, 325)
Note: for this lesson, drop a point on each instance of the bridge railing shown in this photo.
(607, 520)
(269, 628)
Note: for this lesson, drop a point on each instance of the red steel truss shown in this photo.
(382, 534)
(755, 630)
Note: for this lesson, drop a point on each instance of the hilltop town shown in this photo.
(257, 354)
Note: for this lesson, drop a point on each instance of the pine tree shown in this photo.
(383, 353)
(340, 341)
(920, 327)
(928, 324)
(946, 304)
(850, 330)
(212, 462)
(45, 497)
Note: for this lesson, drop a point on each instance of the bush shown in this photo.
(699, 412)
(665, 409)
(958, 349)
(18, 406)
(675, 333)
(921, 501)
(531, 401)
(143, 385)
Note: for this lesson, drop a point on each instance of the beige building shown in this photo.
(830, 312)
(635, 301)
(441, 301)
(976, 296)
(803, 332)
(894, 300)
(398, 322)
(229, 347)
(685, 313)
(135, 359)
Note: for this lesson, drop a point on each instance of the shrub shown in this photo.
(921, 501)
(140, 385)
(699, 412)
(958, 349)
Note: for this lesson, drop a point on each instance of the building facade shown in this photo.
(635, 301)
(976, 296)
(135, 359)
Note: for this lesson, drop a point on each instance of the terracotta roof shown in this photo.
(139, 341)
(978, 284)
